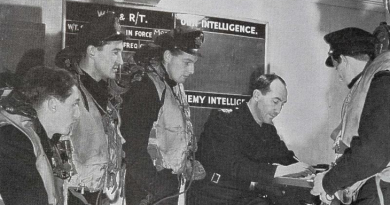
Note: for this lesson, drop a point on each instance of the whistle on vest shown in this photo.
(111, 181)
(115, 91)
(110, 125)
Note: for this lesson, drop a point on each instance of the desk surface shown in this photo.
(298, 182)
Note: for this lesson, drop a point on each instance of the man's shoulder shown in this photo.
(381, 80)
(141, 90)
(223, 113)
(140, 82)
(12, 139)
(8, 131)
(224, 116)
(383, 74)
(379, 87)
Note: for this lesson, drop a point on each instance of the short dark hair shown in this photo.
(263, 83)
(41, 82)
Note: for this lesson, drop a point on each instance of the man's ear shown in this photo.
(91, 50)
(257, 95)
(167, 56)
(52, 104)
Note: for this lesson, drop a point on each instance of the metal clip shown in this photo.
(215, 178)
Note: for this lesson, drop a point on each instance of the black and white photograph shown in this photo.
(194, 102)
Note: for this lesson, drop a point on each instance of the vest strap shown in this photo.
(384, 176)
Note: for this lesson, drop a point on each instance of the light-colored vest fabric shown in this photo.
(172, 132)
(351, 115)
(96, 162)
(89, 141)
(24, 124)
(355, 100)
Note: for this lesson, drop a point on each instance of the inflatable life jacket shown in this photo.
(25, 125)
(171, 139)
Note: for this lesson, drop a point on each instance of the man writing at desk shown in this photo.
(242, 146)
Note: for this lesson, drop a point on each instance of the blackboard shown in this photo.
(233, 51)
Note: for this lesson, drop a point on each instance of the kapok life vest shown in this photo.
(170, 140)
(351, 115)
(97, 144)
(44, 168)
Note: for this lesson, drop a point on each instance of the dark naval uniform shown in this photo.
(236, 151)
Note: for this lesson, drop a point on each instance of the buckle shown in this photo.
(215, 178)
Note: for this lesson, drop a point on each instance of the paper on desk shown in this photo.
(295, 170)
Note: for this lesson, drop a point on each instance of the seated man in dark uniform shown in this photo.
(242, 148)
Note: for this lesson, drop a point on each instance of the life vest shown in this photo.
(42, 163)
(348, 128)
(97, 144)
(170, 139)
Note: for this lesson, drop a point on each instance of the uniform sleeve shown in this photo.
(140, 109)
(276, 149)
(20, 181)
(370, 152)
(230, 151)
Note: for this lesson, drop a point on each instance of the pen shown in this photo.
(296, 158)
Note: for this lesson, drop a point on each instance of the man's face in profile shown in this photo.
(67, 112)
(108, 59)
(270, 104)
(181, 66)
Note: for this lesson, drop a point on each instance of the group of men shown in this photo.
(63, 141)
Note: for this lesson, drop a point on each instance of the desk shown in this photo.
(297, 182)
(297, 191)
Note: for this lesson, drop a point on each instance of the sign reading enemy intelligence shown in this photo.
(215, 100)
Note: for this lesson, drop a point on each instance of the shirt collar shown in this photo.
(168, 79)
(354, 80)
(98, 90)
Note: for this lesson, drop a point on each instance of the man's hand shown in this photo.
(318, 189)
(295, 170)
